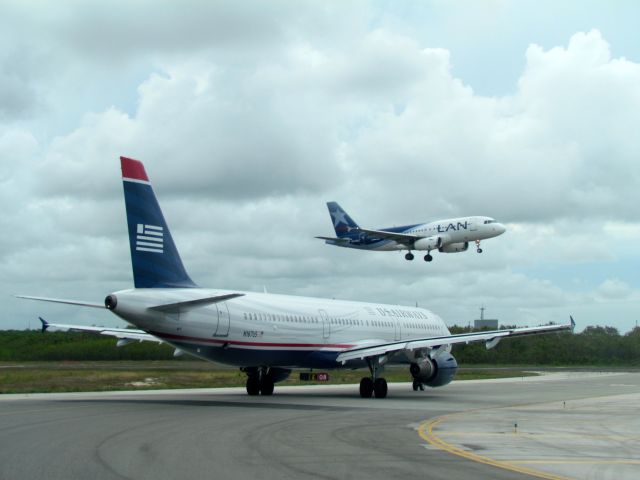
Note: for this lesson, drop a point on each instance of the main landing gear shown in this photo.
(373, 385)
(259, 381)
(479, 250)
(410, 256)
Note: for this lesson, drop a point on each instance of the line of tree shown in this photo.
(598, 346)
(595, 345)
(32, 345)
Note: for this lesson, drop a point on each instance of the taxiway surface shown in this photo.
(569, 425)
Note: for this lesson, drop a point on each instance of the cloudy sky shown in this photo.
(249, 116)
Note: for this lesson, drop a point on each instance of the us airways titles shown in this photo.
(459, 226)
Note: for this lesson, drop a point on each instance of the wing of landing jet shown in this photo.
(404, 238)
(434, 343)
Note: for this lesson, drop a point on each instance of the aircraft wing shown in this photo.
(120, 333)
(490, 337)
(406, 238)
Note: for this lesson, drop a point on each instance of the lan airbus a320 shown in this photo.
(446, 236)
(268, 335)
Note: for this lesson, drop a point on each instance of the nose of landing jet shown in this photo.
(499, 228)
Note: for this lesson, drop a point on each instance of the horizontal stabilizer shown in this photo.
(199, 302)
(59, 300)
(335, 240)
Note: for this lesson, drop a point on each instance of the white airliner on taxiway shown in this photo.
(446, 236)
(268, 335)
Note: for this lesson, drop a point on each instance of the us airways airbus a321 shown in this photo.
(268, 335)
(446, 236)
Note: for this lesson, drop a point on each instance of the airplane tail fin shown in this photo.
(342, 223)
(154, 257)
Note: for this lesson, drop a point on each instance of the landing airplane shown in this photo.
(268, 335)
(446, 236)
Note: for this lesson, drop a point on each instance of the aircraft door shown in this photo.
(326, 325)
(224, 320)
(397, 330)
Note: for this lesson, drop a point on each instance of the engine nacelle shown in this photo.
(427, 243)
(454, 247)
(423, 371)
(435, 372)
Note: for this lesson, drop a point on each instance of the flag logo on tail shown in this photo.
(149, 238)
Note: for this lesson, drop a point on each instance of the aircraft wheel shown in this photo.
(253, 385)
(428, 257)
(380, 388)
(409, 256)
(266, 385)
(366, 387)
(479, 250)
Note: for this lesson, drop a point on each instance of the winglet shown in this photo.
(573, 323)
(45, 324)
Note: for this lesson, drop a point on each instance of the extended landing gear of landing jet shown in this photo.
(410, 256)
(478, 249)
(418, 386)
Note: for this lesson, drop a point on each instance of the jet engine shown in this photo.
(434, 372)
(454, 247)
(427, 243)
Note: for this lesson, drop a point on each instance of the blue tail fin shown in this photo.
(342, 222)
(154, 257)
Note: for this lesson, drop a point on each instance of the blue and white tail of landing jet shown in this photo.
(343, 224)
(446, 236)
(155, 260)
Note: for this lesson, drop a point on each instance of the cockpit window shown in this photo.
(491, 220)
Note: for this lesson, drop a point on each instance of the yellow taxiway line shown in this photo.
(426, 432)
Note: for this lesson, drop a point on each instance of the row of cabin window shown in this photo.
(271, 317)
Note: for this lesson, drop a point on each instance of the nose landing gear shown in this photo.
(479, 250)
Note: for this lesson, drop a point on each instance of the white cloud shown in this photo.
(614, 289)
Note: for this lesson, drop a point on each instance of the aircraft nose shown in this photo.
(500, 228)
